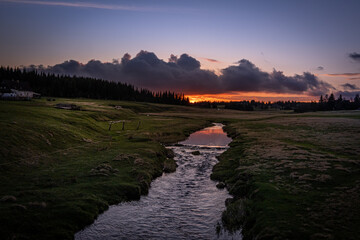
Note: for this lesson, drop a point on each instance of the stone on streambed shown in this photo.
(221, 185)
(195, 153)
(178, 145)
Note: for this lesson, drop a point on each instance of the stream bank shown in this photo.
(185, 204)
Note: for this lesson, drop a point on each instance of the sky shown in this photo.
(222, 50)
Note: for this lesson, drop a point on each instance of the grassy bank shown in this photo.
(60, 168)
(294, 176)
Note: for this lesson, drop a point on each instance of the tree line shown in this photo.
(48, 84)
(325, 103)
(329, 103)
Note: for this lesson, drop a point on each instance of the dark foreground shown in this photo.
(293, 176)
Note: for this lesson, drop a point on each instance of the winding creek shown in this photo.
(182, 205)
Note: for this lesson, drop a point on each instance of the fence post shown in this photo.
(138, 126)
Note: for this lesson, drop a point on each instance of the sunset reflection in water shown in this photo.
(211, 137)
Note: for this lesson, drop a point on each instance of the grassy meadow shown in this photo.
(60, 168)
(293, 176)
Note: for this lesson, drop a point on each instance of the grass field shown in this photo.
(293, 176)
(60, 168)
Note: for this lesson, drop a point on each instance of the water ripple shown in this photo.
(181, 205)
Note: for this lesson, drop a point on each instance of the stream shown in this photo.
(182, 205)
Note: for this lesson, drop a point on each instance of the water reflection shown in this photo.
(212, 137)
(181, 205)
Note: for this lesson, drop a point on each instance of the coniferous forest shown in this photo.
(48, 84)
(325, 103)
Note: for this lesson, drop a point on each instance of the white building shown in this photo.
(19, 95)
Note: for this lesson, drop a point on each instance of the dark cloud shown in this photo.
(349, 86)
(355, 56)
(183, 74)
(188, 63)
(115, 61)
(148, 57)
(347, 94)
(67, 67)
(211, 60)
(342, 74)
(247, 77)
(125, 58)
(173, 58)
(320, 68)
(148, 71)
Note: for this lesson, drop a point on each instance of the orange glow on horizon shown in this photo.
(248, 96)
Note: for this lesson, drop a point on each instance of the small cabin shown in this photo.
(16, 90)
(27, 95)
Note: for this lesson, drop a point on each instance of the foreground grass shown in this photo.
(294, 176)
(60, 168)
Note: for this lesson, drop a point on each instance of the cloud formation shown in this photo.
(348, 86)
(211, 60)
(347, 94)
(342, 74)
(247, 77)
(183, 74)
(146, 70)
(355, 56)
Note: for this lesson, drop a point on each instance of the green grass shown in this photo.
(48, 157)
(293, 178)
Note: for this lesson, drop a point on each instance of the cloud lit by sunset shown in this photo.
(206, 50)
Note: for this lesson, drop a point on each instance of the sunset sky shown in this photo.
(222, 50)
